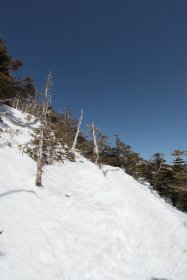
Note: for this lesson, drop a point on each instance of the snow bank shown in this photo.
(83, 225)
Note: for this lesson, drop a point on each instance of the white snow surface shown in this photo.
(82, 225)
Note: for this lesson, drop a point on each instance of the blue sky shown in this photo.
(124, 62)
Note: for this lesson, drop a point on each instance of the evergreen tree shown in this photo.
(66, 127)
(8, 84)
(180, 171)
(127, 158)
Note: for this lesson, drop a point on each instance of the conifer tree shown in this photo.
(180, 171)
(8, 84)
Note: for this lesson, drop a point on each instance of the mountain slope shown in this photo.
(83, 225)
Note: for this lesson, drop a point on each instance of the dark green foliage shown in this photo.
(65, 127)
(27, 89)
(10, 87)
(170, 181)
(125, 157)
(157, 172)
(7, 65)
(180, 171)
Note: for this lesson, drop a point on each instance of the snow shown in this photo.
(83, 225)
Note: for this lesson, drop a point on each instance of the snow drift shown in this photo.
(82, 225)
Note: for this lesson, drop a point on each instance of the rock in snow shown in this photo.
(83, 225)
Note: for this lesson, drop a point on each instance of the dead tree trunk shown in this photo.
(96, 150)
(39, 161)
(17, 104)
(42, 128)
(157, 173)
(77, 133)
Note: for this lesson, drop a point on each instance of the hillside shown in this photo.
(82, 225)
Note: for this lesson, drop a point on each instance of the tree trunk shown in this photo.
(77, 133)
(43, 125)
(96, 150)
(39, 161)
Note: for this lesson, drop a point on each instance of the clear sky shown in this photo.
(124, 62)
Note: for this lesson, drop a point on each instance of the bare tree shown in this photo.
(43, 121)
(99, 141)
(77, 133)
(96, 150)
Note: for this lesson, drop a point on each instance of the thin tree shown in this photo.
(43, 121)
(157, 161)
(77, 133)
(96, 150)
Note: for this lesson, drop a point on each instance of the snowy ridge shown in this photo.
(83, 225)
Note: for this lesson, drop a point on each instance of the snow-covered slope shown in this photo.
(83, 225)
